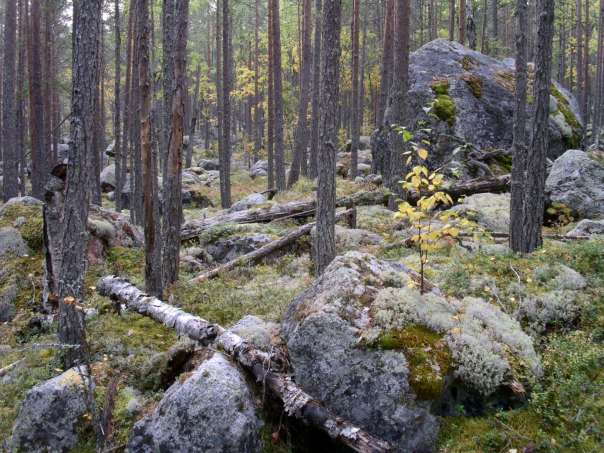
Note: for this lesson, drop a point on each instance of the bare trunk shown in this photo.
(153, 278)
(301, 136)
(535, 164)
(172, 212)
(519, 148)
(86, 32)
(119, 179)
(325, 245)
(9, 104)
(354, 145)
(316, 92)
(225, 160)
(387, 62)
(279, 151)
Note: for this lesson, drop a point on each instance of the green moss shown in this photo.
(440, 86)
(32, 228)
(428, 357)
(468, 63)
(474, 83)
(444, 108)
(128, 262)
(505, 160)
(574, 140)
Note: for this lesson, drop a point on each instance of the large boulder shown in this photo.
(473, 97)
(209, 164)
(250, 201)
(229, 248)
(260, 168)
(52, 414)
(212, 411)
(490, 210)
(577, 181)
(587, 227)
(390, 359)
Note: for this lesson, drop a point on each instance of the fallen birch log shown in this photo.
(265, 250)
(296, 209)
(10, 367)
(296, 401)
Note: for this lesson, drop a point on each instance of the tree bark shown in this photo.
(387, 62)
(20, 99)
(471, 25)
(270, 134)
(462, 21)
(36, 105)
(119, 180)
(9, 104)
(301, 135)
(355, 129)
(86, 32)
(316, 92)
(172, 212)
(325, 242)
(519, 149)
(534, 195)
(398, 99)
(279, 151)
(153, 277)
(580, 54)
(451, 20)
(168, 38)
(296, 402)
(225, 160)
(599, 97)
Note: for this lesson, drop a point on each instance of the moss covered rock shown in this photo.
(390, 358)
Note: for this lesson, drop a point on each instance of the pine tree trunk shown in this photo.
(534, 195)
(471, 25)
(225, 161)
(519, 148)
(325, 246)
(451, 20)
(301, 135)
(316, 92)
(86, 32)
(462, 21)
(257, 98)
(580, 54)
(270, 134)
(153, 278)
(119, 181)
(279, 151)
(398, 98)
(598, 121)
(39, 158)
(355, 136)
(9, 104)
(168, 25)
(172, 212)
(21, 123)
(387, 62)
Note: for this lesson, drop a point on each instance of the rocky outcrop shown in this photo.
(471, 96)
(389, 358)
(212, 411)
(587, 227)
(577, 181)
(249, 202)
(51, 414)
(209, 164)
(490, 210)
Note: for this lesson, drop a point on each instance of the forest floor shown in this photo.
(565, 412)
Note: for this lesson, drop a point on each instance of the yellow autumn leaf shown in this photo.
(422, 153)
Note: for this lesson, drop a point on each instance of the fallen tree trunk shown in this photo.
(265, 250)
(480, 185)
(296, 209)
(296, 402)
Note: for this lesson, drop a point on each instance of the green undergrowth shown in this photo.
(565, 412)
(264, 290)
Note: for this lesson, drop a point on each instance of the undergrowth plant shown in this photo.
(431, 225)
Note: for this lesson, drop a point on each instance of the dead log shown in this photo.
(464, 188)
(265, 250)
(296, 209)
(296, 401)
(10, 367)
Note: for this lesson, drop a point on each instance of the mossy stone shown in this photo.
(440, 87)
(31, 225)
(474, 83)
(428, 357)
(444, 108)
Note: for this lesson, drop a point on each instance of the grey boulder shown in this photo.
(490, 210)
(209, 164)
(260, 168)
(213, 411)
(248, 202)
(577, 181)
(51, 414)
(587, 227)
